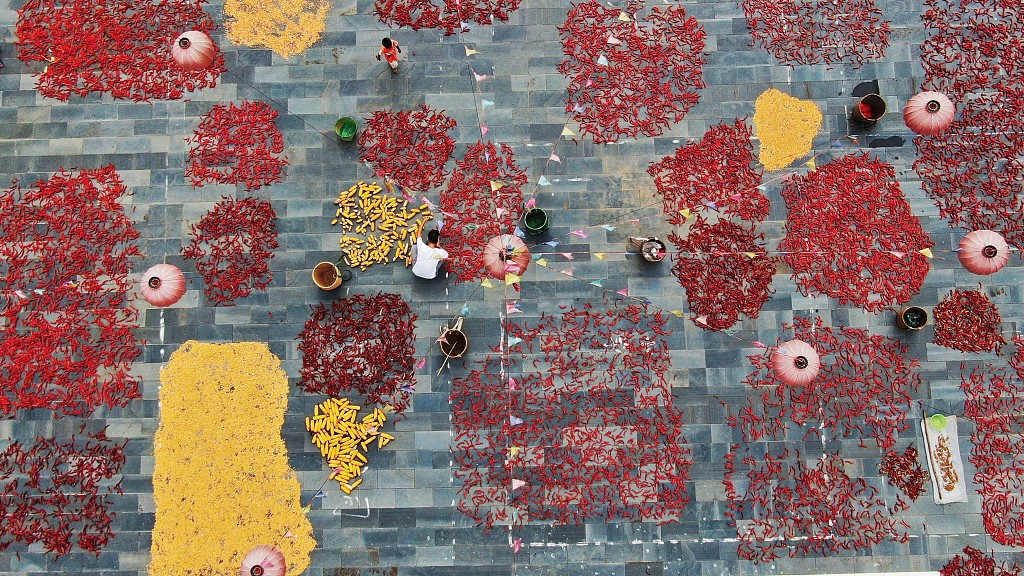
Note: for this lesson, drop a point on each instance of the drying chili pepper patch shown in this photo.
(485, 198)
(851, 235)
(966, 320)
(66, 318)
(232, 246)
(119, 47)
(363, 345)
(818, 31)
(718, 170)
(221, 482)
(863, 390)
(60, 492)
(725, 270)
(237, 145)
(633, 75)
(409, 147)
(586, 429)
(446, 15)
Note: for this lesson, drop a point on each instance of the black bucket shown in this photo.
(870, 109)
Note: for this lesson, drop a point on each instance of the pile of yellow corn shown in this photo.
(378, 228)
(339, 437)
(786, 127)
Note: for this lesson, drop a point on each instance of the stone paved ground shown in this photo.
(401, 520)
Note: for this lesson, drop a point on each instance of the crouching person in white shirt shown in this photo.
(428, 258)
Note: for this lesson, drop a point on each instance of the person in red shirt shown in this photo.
(390, 49)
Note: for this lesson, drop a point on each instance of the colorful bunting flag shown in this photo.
(602, 61)
(422, 362)
(531, 203)
(927, 252)
(608, 227)
(513, 341)
(554, 157)
(579, 233)
(568, 255)
(517, 484)
(567, 132)
(515, 421)
(623, 16)
(487, 283)
(613, 40)
(599, 255)
(624, 292)
(542, 261)
(480, 77)
(496, 185)
(470, 51)
(512, 386)
(551, 243)
(483, 130)
(543, 181)
(516, 544)
(811, 165)
(513, 451)
(512, 278)
(486, 103)
(597, 283)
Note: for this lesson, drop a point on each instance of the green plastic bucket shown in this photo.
(536, 221)
(345, 128)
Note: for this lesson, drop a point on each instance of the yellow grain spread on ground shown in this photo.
(786, 127)
(287, 27)
(222, 483)
(378, 228)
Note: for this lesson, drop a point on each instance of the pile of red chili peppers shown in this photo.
(725, 271)
(232, 246)
(968, 321)
(792, 506)
(904, 472)
(818, 31)
(628, 73)
(578, 423)
(409, 147)
(115, 46)
(66, 330)
(971, 170)
(237, 144)
(57, 493)
(995, 403)
(361, 344)
(851, 235)
(863, 389)
(484, 199)
(451, 16)
(974, 562)
(720, 170)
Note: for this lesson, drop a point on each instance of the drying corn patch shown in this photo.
(287, 27)
(344, 441)
(786, 127)
(378, 228)
(221, 481)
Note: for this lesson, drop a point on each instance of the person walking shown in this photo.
(390, 50)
